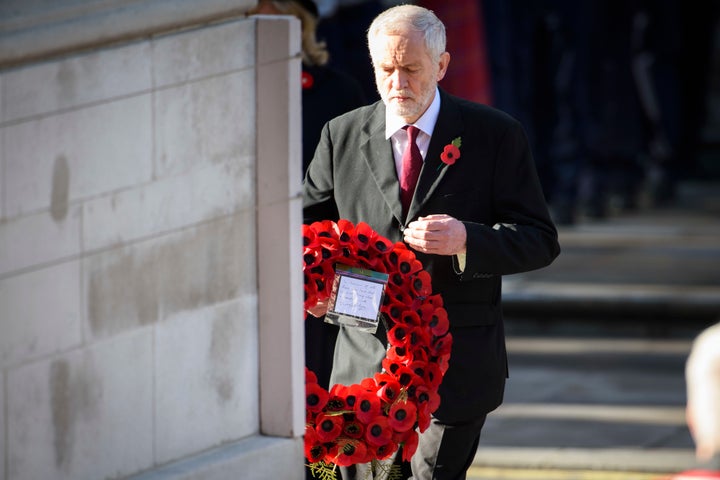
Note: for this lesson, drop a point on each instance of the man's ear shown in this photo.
(443, 65)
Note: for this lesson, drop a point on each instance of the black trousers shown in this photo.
(445, 452)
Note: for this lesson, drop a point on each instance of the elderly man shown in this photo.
(456, 182)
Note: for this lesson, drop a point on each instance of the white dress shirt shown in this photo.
(426, 123)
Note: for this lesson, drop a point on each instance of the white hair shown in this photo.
(396, 19)
(702, 374)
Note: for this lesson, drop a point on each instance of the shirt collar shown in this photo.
(426, 122)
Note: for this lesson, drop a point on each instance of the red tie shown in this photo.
(411, 164)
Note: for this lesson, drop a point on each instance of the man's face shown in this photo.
(405, 74)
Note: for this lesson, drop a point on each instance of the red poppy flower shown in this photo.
(398, 282)
(353, 428)
(381, 245)
(354, 392)
(435, 300)
(306, 80)
(389, 387)
(363, 235)
(443, 362)
(385, 451)
(323, 228)
(367, 406)
(402, 416)
(314, 449)
(310, 376)
(368, 384)
(378, 431)
(391, 366)
(350, 452)
(424, 417)
(404, 376)
(439, 323)
(328, 427)
(441, 345)
(308, 235)
(392, 308)
(421, 284)
(418, 367)
(418, 337)
(316, 397)
(345, 230)
(450, 154)
(398, 353)
(410, 318)
(336, 402)
(398, 334)
(312, 257)
(433, 376)
(409, 445)
(407, 263)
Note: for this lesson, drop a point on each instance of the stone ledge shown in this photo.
(35, 35)
(253, 458)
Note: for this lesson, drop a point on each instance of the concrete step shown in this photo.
(587, 403)
(661, 262)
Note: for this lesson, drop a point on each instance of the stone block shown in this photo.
(168, 204)
(206, 384)
(79, 154)
(2, 427)
(2, 162)
(206, 122)
(86, 414)
(278, 38)
(35, 239)
(100, 76)
(187, 270)
(40, 312)
(196, 54)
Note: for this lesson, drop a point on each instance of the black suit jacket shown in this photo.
(492, 188)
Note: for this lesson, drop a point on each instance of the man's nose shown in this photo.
(399, 79)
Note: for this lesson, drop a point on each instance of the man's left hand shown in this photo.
(437, 235)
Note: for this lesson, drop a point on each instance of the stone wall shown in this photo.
(139, 244)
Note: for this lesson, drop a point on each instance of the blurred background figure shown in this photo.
(343, 26)
(702, 375)
(326, 93)
(614, 95)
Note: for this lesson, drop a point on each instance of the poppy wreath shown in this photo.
(369, 421)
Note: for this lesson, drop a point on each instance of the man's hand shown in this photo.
(319, 309)
(437, 235)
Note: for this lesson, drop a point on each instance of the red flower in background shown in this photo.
(307, 80)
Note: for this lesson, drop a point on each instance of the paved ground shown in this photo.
(597, 345)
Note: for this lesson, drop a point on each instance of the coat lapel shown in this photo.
(377, 152)
(449, 125)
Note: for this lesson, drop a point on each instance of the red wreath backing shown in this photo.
(368, 421)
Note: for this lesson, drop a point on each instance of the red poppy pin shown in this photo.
(307, 80)
(451, 152)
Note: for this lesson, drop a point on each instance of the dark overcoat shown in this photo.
(493, 188)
